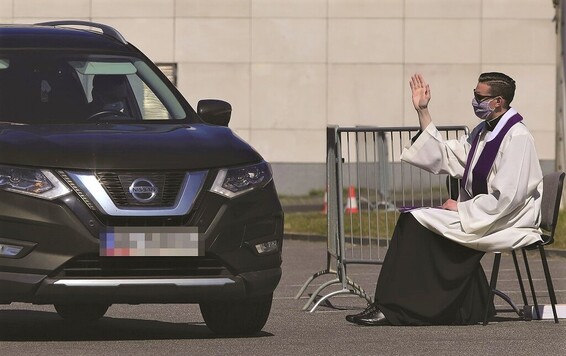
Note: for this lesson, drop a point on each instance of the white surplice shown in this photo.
(505, 218)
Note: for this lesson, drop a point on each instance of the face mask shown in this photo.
(482, 109)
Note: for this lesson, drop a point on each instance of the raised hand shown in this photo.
(421, 92)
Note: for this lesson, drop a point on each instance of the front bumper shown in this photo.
(141, 290)
(61, 233)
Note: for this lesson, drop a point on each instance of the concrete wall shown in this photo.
(291, 67)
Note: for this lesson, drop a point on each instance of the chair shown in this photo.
(551, 195)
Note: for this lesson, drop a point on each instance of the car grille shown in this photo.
(94, 266)
(204, 209)
(117, 185)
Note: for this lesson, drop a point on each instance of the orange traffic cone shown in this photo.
(352, 203)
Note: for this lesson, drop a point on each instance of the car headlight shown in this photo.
(232, 182)
(39, 183)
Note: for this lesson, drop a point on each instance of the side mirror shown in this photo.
(215, 112)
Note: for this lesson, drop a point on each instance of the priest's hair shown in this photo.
(500, 84)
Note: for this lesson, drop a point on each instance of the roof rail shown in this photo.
(107, 30)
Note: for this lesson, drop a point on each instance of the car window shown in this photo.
(151, 107)
(73, 88)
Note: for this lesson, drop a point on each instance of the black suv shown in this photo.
(114, 190)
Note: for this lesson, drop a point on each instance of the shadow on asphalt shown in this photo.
(27, 325)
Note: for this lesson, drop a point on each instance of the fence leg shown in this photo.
(358, 291)
(311, 278)
(330, 295)
(316, 293)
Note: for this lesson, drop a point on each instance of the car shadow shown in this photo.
(27, 325)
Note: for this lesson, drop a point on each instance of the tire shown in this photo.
(81, 313)
(237, 317)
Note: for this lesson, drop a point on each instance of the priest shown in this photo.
(432, 274)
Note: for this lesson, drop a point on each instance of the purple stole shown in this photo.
(486, 159)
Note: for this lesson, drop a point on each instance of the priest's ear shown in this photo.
(500, 101)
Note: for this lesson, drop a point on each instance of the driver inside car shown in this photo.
(110, 94)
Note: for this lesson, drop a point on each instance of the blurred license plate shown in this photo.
(151, 241)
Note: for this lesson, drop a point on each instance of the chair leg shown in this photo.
(531, 282)
(549, 284)
(492, 285)
(519, 278)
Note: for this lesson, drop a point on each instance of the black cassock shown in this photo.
(427, 279)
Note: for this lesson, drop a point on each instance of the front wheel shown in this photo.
(237, 317)
(81, 312)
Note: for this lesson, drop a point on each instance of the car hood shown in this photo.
(123, 146)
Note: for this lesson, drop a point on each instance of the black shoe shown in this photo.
(373, 318)
(368, 310)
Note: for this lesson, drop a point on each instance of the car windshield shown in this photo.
(43, 87)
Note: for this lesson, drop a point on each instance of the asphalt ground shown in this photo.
(179, 330)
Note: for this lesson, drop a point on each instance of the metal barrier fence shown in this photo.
(367, 183)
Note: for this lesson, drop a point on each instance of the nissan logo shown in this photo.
(143, 190)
